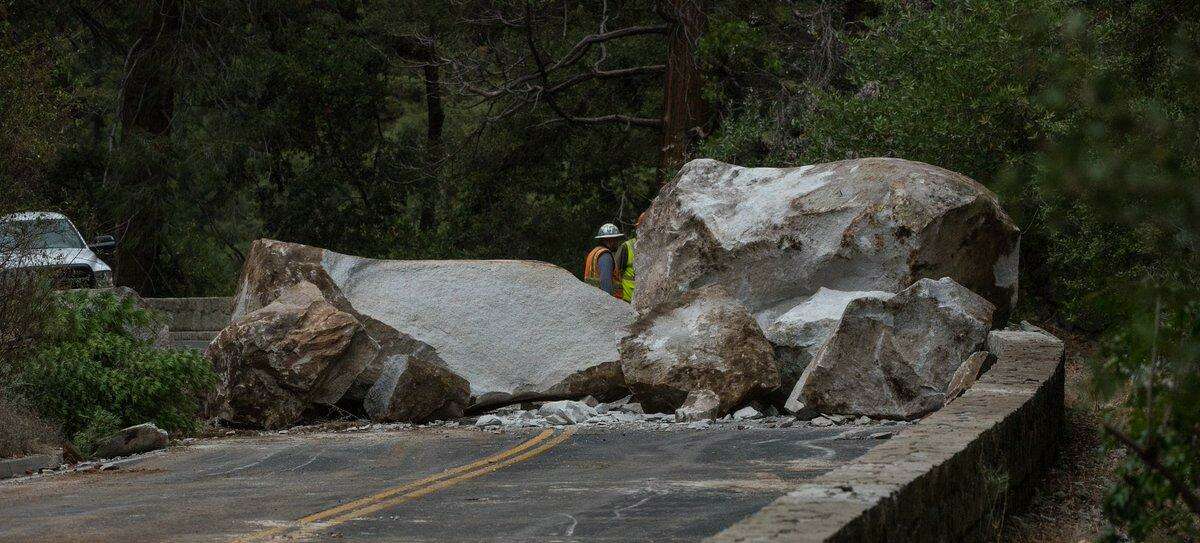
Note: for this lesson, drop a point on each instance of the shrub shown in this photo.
(94, 374)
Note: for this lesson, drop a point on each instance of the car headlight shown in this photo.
(103, 278)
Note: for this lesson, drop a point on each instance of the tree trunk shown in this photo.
(439, 198)
(148, 97)
(684, 111)
(433, 109)
(147, 107)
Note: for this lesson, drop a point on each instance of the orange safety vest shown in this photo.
(591, 272)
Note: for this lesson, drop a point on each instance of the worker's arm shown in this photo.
(605, 263)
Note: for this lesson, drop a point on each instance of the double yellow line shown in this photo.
(421, 487)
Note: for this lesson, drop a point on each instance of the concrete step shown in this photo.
(193, 339)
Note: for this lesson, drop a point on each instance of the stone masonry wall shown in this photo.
(937, 480)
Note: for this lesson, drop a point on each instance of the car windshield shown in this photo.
(40, 234)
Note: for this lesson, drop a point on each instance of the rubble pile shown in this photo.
(874, 281)
(829, 294)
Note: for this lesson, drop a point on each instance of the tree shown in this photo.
(514, 70)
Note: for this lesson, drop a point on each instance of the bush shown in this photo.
(94, 375)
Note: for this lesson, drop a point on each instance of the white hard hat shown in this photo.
(609, 230)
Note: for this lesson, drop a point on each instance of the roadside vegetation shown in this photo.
(505, 129)
(94, 369)
(97, 371)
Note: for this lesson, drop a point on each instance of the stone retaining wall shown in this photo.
(18, 467)
(940, 479)
(194, 321)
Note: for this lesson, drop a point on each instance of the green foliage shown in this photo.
(93, 373)
(1132, 157)
(1152, 361)
(954, 84)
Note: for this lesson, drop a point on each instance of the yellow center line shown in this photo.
(321, 515)
(358, 513)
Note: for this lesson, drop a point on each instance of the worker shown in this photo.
(600, 268)
(625, 263)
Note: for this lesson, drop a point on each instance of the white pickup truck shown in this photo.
(49, 242)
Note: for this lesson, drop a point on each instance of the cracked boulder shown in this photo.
(408, 381)
(704, 340)
(800, 332)
(513, 330)
(895, 358)
(773, 236)
(277, 361)
(296, 342)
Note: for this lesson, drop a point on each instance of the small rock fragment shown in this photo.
(965, 375)
(881, 435)
(566, 412)
(699, 405)
(618, 403)
(802, 411)
(821, 422)
(489, 420)
(507, 410)
(746, 413)
(635, 408)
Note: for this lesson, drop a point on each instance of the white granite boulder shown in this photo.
(896, 358)
(773, 236)
(704, 340)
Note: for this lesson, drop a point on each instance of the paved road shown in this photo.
(432, 485)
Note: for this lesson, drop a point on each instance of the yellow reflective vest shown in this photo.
(627, 274)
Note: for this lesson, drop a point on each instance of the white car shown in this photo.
(49, 242)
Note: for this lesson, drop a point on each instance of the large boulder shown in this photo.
(515, 330)
(800, 332)
(297, 342)
(277, 361)
(704, 340)
(895, 358)
(773, 236)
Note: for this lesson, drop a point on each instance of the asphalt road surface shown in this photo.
(433, 484)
